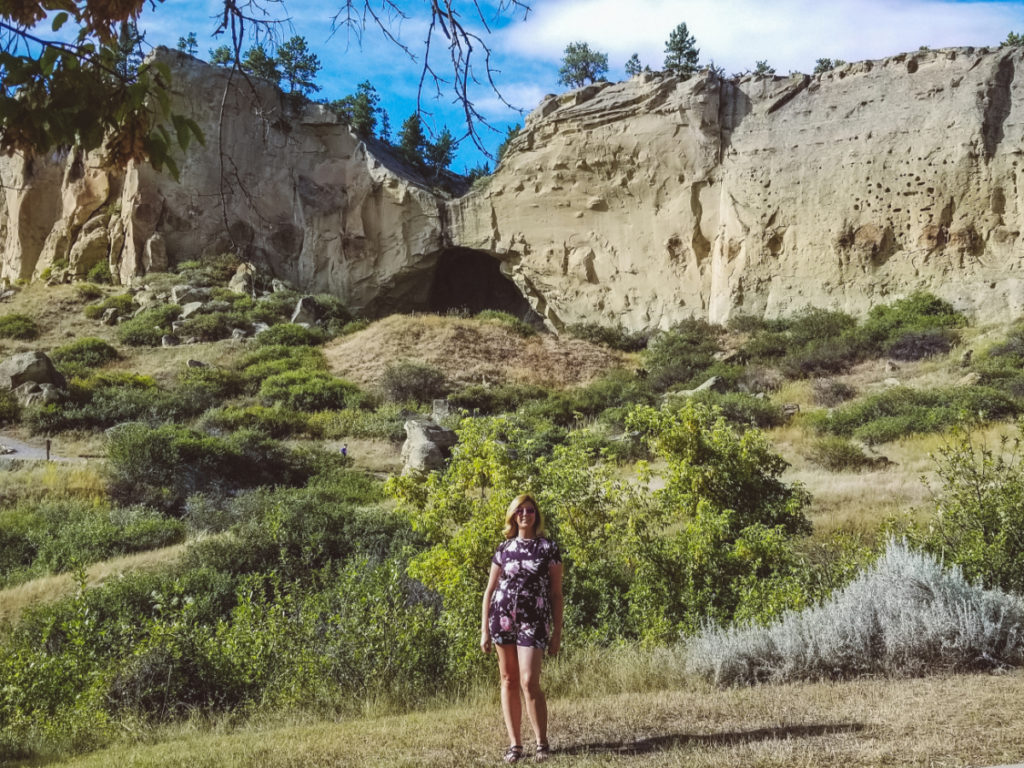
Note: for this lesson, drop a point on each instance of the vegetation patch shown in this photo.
(18, 326)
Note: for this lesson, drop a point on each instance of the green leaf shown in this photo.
(58, 21)
(183, 131)
(197, 131)
(49, 60)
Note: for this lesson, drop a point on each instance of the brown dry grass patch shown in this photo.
(939, 721)
(469, 351)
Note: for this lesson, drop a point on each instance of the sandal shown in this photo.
(513, 754)
(542, 753)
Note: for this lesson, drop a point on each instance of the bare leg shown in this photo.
(529, 677)
(511, 706)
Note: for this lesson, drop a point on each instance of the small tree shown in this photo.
(360, 109)
(439, 153)
(633, 67)
(189, 45)
(824, 65)
(1013, 39)
(511, 132)
(581, 64)
(762, 69)
(221, 56)
(128, 50)
(298, 65)
(681, 53)
(258, 63)
(411, 140)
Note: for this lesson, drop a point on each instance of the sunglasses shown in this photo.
(526, 511)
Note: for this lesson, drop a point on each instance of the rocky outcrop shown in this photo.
(637, 203)
(644, 202)
(279, 181)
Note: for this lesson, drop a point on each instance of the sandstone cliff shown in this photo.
(280, 181)
(651, 200)
(636, 203)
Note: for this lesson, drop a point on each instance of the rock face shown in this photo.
(427, 445)
(637, 203)
(651, 200)
(280, 182)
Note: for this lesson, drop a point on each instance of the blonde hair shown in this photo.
(512, 527)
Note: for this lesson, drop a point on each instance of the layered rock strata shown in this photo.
(651, 200)
(636, 203)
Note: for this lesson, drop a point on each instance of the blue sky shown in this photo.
(790, 34)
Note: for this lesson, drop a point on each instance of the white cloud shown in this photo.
(789, 34)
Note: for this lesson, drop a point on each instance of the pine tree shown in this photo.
(412, 141)
(580, 64)
(633, 67)
(298, 65)
(681, 53)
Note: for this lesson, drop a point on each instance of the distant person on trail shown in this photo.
(522, 617)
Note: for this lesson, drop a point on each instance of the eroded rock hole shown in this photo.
(466, 280)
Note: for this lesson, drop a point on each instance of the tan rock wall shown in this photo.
(652, 200)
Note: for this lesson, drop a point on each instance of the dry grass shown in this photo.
(57, 311)
(468, 351)
(36, 480)
(956, 720)
(14, 600)
(373, 456)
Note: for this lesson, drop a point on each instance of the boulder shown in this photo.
(427, 445)
(191, 308)
(32, 366)
(185, 294)
(714, 384)
(169, 340)
(244, 279)
(307, 311)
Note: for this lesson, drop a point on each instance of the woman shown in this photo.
(522, 617)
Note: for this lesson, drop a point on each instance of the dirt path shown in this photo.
(12, 448)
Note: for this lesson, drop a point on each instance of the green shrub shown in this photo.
(18, 326)
(408, 380)
(609, 336)
(497, 399)
(826, 357)
(99, 273)
(918, 312)
(277, 421)
(305, 390)
(513, 323)
(979, 511)
(79, 356)
(272, 359)
(900, 411)
(755, 324)
(291, 335)
(387, 422)
(275, 308)
(10, 409)
(838, 454)
(213, 326)
(88, 291)
(917, 345)
(210, 271)
(149, 326)
(162, 466)
(742, 409)
(354, 326)
(124, 303)
(830, 392)
(681, 354)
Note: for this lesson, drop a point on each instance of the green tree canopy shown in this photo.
(824, 65)
(412, 141)
(360, 109)
(439, 153)
(581, 64)
(681, 52)
(298, 65)
(633, 66)
(189, 45)
(259, 63)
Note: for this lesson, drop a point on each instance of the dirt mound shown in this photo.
(468, 351)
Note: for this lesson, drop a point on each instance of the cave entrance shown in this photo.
(471, 281)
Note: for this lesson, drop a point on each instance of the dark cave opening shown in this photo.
(467, 280)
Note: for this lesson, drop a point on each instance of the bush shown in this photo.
(822, 358)
(837, 454)
(917, 345)
(10, 410)
(88, 291)
(918, 312)
(498, 399)
(162, 466)
(277, 421)
(305, 390)
(743, 409)
(903, 616)
(681, 354)
(387, 422)
(409, 380)
(900, 411)
(18, 326)
(99, 273)
(272, 359)
(213, 326)
(122, 302)
(614, 337)
(979, 511)
(290, 335)
(149, 326)
(79, 356)
(830, 393)
(513, 323)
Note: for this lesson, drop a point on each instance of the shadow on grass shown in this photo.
(672, 740)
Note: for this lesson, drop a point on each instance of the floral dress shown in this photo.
(520, 612)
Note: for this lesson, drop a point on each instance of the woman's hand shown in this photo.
(485, 641)
(554, 645)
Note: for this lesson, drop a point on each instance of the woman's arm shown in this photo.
(485, 632)
(555, 577)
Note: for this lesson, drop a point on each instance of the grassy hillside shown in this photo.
(212, 582)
